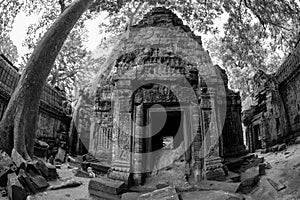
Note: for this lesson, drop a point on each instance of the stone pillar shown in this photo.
(213, 161)
(137, 162)
(122, 130)
(198, 148)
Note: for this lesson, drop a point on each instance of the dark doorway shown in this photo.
(257, 140)
(171, 135)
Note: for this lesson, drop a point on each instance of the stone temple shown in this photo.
(165, 104)
(272, 112)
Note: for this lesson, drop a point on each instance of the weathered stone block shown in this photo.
(39, 182)
(26, 182)
(104, 195)
(277, 185)
(18, 159)
(14, 188)
(168, 193)
(216, 175)
(99, 167)
(107, 185)
(130, 196)
(248, 184)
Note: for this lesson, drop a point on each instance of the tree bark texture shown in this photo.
(19, 123)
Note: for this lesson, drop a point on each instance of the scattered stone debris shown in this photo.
(14, 188)
(67, 184)
(168, 193)
(277, 185)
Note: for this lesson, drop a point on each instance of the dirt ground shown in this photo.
(286, 170)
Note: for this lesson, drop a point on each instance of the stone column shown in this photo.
(137, 162)
(122, 130)
(213, 161)
(198, 148)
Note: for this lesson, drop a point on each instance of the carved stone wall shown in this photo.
(53, 111)
(274, 114)
(163, 62)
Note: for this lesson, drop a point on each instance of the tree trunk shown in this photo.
(19, 123)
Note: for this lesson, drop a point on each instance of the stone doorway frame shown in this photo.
(187, 128)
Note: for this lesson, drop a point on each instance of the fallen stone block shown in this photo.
(104, 195)
(130, 196)
(216, 175)
(39, 167)
(248, 184)
(99, 167)
(276, 185)
(18, 159)
(26, 182)
(67, 184)
(249, 173)
(107, 185)
(39, 182)
(211, 195)
(14, 188)
(168, 193)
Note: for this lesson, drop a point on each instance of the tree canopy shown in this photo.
(255, 34)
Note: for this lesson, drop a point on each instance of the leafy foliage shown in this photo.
(255, 35)
(73, 55)
(9, 10)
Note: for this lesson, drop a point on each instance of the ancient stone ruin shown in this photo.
(165, 103)
(271, 114)
(54, 113)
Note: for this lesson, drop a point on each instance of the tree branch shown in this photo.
(62, 5)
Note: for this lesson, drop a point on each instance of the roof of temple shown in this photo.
(160, 17)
